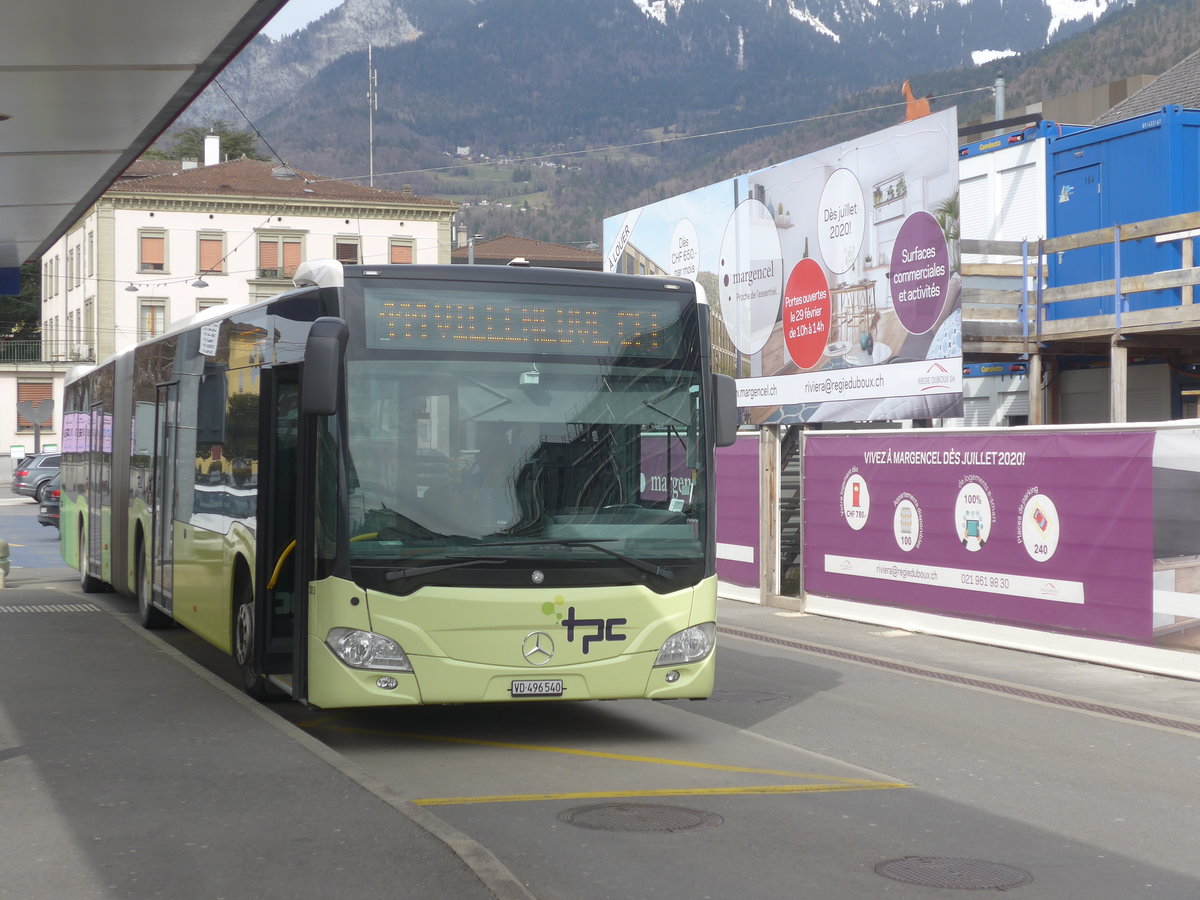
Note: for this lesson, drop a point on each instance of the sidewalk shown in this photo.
(127, 771)
(996, 668)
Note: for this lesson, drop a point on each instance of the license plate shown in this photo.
(549, 688)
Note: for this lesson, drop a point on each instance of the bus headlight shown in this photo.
(367, 650)
(688, 646)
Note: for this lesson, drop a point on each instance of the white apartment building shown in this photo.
(167, 241)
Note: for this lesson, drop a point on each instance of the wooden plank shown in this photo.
(994, 347)
(974, 311)
(1181, 318)
(995, 248)
(993, 270)
(768, 511)
(1129, 232)
(1132, 284)
(1033, 383)
(1118, 382)
(995, 296)
(992, 331)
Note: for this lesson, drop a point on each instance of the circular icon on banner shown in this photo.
(1040, 526)
(842, 218)
(920, 274)
(856, 501)
(906, 524)
(750, 274)
(973, 515)
(685, 250)
(806, 313)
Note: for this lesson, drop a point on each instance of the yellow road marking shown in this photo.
(682, 792)
(835, 783)
(599, 754)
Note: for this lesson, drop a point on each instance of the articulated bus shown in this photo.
(416, 484)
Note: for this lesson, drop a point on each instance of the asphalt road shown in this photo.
(835, 760)
(31, 546)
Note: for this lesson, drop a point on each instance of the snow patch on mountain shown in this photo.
(657, 9)
(803, 15)
(983, 57)
(1065, 11)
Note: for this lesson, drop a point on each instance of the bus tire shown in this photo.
(89, 583)
(149, 615)
(253, 682)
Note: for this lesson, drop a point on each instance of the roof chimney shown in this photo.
(212, 149)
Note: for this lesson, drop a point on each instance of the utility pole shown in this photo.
(372, 105)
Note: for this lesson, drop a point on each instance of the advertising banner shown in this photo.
(1051, 530)
(738, 512)
(834, 277)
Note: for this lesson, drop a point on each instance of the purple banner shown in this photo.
(737, 512)
(1048, 530)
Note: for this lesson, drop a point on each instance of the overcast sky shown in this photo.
(296, 14)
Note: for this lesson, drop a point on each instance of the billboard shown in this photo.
(1091, 533)
(834, 277)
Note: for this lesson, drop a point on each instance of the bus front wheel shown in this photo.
(253, 683)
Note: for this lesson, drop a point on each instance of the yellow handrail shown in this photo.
(292, 546)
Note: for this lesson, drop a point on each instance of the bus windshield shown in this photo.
(506, 460)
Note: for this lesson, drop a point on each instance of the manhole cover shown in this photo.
(638, 817)
(952, 872)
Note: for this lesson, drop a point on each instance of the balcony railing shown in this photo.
(45, 351)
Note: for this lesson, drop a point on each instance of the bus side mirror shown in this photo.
(725, 407)
(321, 377)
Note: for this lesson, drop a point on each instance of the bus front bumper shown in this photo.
(439, 680)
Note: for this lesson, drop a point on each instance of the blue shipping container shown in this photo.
(1142, 168)
(1042, 129)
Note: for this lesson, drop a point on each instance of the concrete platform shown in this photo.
(127, 771)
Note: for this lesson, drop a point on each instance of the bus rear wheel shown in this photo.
(89, 583)
(148, 614)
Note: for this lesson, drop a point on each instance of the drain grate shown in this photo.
(48, 607)
(953, 872)
(639, 817)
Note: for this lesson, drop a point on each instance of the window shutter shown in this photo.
(35, 393)
(268, 254)
(346, 253)
(152, 252)
(210, 255)
(401, 254)
(291, 258)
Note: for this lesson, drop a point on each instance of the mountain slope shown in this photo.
(530, 79)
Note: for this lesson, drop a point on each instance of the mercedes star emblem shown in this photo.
(538, 648)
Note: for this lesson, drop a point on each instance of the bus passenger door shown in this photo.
(98, 490)
(162, 495)
(279, 626)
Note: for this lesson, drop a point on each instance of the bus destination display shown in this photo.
(398, 320)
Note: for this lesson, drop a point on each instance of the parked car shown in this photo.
(51, 497)
(33, 473)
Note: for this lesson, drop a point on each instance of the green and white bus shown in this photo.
(416, 484)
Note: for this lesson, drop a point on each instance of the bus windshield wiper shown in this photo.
(661, 571)
(663, 395)
(413, 571)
